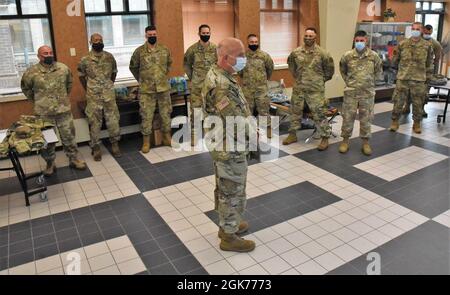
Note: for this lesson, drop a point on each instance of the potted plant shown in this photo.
(389, 15)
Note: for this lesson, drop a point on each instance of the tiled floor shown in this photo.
(310, 212)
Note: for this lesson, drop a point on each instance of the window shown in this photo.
(122, 24)
(279, 28)
(431, 13)
(218, 14)
(24, 27)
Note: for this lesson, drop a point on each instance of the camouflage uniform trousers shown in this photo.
(404, 88)
(230, 196)
(148, 104)
(318, 106)
(258, 98)
(95, 110)
(196, 102)
(64, 124)
(363, 102)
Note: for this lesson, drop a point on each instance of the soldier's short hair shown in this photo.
(311, 29)
(203, 26)
(429, 27)
(417, 23)
(361, 33)
(251, 35)
(150, 28)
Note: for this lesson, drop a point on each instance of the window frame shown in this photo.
(126, 10)
(47, 16)
(296, 13)
(423, 13)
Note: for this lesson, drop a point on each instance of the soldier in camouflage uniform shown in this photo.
(224, 98)
(257, 72)
(198, 59)
(359, 68)
(311, 67)
(48, 84)
(437, 49)
(150, 65)
(414, 60)
(97, 72)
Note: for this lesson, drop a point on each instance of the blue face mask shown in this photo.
(427, 36)
(241, 62)
(415, 34)
(360, 46)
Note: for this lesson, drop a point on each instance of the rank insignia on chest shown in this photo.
(223, 103)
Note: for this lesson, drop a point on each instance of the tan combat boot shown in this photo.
(323, 144)
(243, 227)
(269, 132)
(416, 127)
(77, 164)
(344, 146)
(50, 169)
(116, 150)
(394, 126)
(231, 242)
(145, 144)
(96, 153)
(290, 139)
(366, 149)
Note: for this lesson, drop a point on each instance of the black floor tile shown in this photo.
(19, 247)
(148, 247)
(43, 230)
(154, 259)
(88, 229)
(165, 269)
(3, 251)
(168, 241)
(41, 221)
(4, 263)
(186, 264)
(113, 232)
(140, 237)
(69, 245)
(15, 237)
(21, 258)
(423, 250)
(46, 251)
(91, 238)
(26, 225)
(44, 240)
(108, 223)
(64, 225)
(176, 252)
(67, 234)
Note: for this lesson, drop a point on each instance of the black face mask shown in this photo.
(253, 47)
(152, 40)
(205, 38)
(98, 47)
(48, 60)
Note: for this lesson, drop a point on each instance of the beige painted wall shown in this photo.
(336, 17)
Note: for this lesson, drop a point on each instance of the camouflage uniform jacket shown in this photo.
(360, 70)
(311, 68)
(48, 88)
(98, 70)
(223, 97)
(151, 67)
(258, 70)
(197, 62)
(414, 60)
